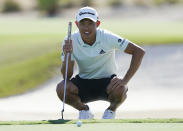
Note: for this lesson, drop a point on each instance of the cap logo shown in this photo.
(82, 13)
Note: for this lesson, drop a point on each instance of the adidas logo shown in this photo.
(102, 51)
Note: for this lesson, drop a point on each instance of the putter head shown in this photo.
(62, 114)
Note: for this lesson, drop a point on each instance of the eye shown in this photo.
(81, 23)
(91, 23)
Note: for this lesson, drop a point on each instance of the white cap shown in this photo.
(87, 12)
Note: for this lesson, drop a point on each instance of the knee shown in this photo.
(70, 89)
(119, 94)
(60, 89)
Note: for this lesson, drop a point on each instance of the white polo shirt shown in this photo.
(96, 61)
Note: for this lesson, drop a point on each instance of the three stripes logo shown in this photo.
(102, 51)
(121, 42)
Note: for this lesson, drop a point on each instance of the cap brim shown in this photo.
(87, 17)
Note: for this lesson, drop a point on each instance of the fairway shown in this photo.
(97, 127)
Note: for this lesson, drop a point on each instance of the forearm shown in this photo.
(134, 65)
(69, 68)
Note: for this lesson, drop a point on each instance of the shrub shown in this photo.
(141, 3)
(11, 6)
(49, 7)
(75, 3)
(173, 1)
(161, 2)
(86, 3)
(115, 3)
(67, 3)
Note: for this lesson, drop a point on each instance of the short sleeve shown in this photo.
(63, 55)
(116, 41)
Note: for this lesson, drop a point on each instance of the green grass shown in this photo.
(30, 48)
(147, 31)
(29, 53)
(96, 125)
(20, 77)
(60, 121)
(17, 48)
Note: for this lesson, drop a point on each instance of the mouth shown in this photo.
(86, 33)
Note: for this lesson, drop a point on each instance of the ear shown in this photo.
(76, 23)
(98, 23)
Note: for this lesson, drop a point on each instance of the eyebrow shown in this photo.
(86, 19)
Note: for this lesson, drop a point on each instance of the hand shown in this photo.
(116, 83)
(68, 47)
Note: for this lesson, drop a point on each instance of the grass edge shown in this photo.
(60, 121)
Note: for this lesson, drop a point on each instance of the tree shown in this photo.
(11, 6)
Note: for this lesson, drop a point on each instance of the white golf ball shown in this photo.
(79, 123)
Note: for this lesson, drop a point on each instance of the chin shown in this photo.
(86, 37)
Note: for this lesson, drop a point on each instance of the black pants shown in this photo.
(92, 89)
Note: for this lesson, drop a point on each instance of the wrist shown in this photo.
(124, 81)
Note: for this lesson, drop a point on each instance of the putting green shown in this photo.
(97, 127)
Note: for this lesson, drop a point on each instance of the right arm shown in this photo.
(67, 48)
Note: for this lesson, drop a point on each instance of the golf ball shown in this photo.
(79, 123)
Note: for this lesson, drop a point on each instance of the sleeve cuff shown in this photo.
(124, 44)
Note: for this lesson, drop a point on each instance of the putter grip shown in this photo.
(69, 31)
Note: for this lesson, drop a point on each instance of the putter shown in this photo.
(65, 82)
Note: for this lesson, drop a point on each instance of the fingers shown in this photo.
(67, 42)
(68, 46)
(114, 84)
(115, 81)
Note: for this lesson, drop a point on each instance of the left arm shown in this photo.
(137, 55)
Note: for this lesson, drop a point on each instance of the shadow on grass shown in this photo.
(59, 121)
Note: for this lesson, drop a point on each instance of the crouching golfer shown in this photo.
(94, 51)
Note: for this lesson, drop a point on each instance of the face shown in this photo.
(87, 30)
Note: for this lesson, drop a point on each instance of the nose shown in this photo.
(85, 27)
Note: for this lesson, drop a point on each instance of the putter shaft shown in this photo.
(65, 82)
